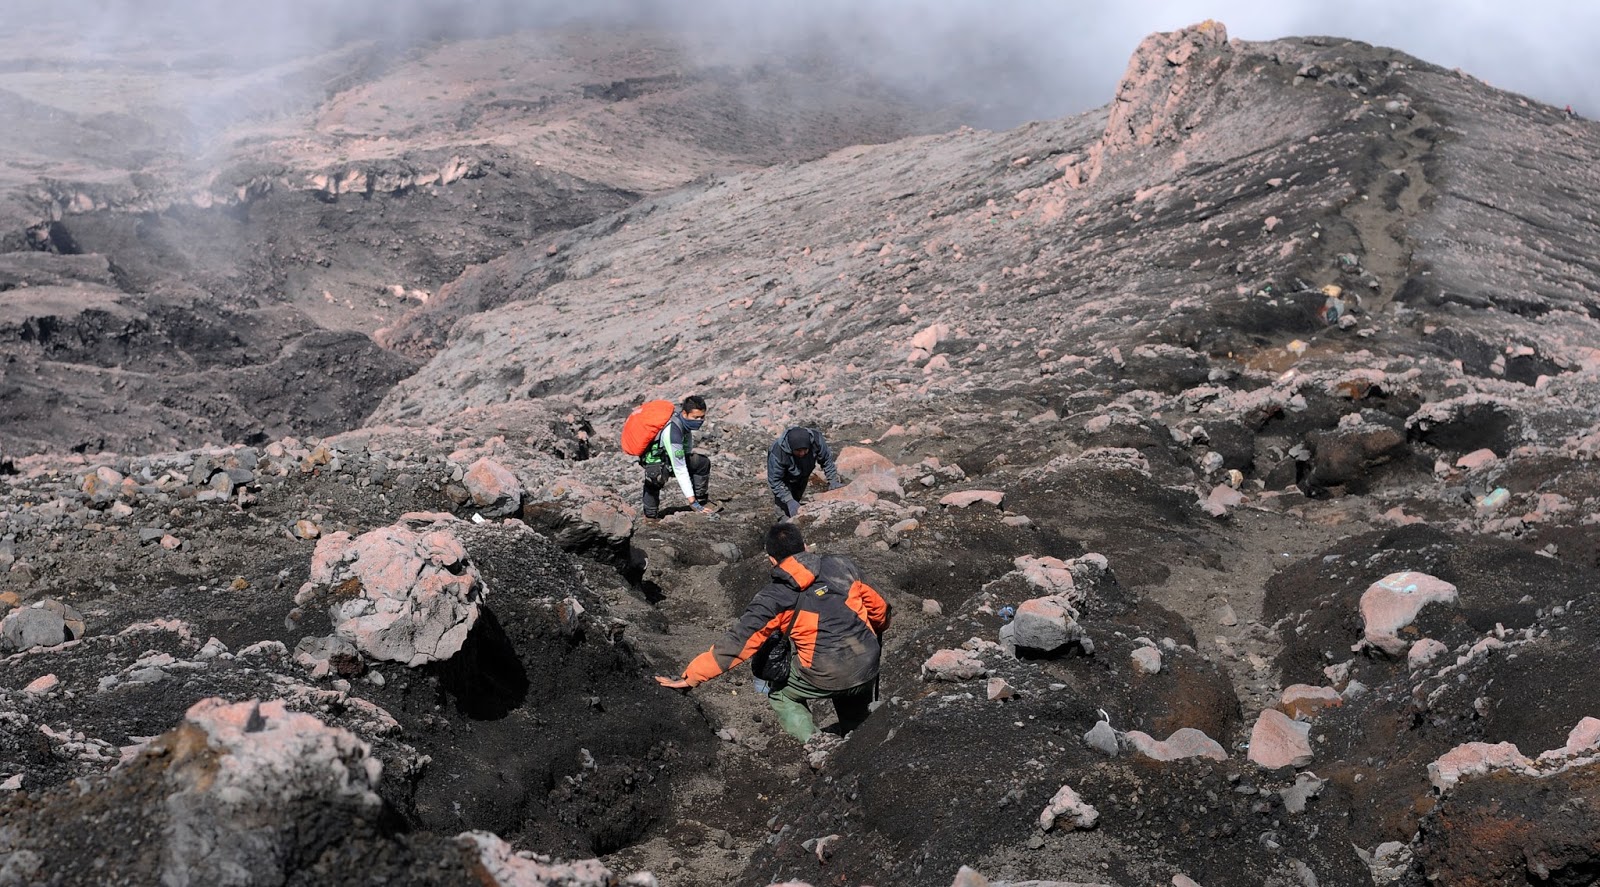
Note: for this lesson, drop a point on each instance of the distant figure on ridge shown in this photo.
(662, 436)
(790, 461)
(833, 619)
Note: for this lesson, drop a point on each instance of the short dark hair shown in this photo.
(784, 540)
(693, 402)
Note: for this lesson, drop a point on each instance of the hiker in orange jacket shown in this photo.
(834, 620)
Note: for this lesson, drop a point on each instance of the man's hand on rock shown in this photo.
(673, 683)
(792, 507)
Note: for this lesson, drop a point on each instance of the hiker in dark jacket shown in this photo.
(836, 619)
(672, 452)
(790, 461)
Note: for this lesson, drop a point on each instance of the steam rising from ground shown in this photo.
(1001, 62)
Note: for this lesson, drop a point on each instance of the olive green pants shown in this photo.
(792, 702)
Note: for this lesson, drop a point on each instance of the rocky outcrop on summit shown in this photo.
(1169, 87)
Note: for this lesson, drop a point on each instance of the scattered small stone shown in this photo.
(42, 685)
(1306, 786)
(1304, 700)
(966, 498)
(1102, 738)
(952, 666)
(1067, 806)
(1424, 652)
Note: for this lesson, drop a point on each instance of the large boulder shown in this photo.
(1044, 624)
(404, 593)
(245, 778)
(1394, 601)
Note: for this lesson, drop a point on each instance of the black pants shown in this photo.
(659, 474)
(797, 489)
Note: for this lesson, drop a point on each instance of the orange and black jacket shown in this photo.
(835, 634)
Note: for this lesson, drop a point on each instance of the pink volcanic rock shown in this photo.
(1477, 459)
(1392, 602)
(1068, 807)
(930, 336)
(1424, 652)
(1050, 574)
(1475, 759)
(1186, 742)
(1304, 699)
(1222, 500)
(953, 666)
(501, 866)
(1583, 738)
(870, 475)
(405, 592)
(1147, 660)
(972, 497)
(494, 490)
(606, 519)
(1280, 741)
(42, 685)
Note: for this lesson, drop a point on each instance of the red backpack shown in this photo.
(644, 424)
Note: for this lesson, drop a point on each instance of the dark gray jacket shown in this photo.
(784, 468)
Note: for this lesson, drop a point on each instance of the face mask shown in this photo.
(693, 424)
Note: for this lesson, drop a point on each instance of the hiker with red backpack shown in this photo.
(662, 436)
(812, 633)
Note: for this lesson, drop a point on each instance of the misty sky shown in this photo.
(1019, 59)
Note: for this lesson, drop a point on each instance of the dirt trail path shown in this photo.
(1224, 607)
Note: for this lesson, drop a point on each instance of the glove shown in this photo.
(835, 484)
(697, 506)
(792, 507)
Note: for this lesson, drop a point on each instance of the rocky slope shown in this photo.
(1228, 457)
(247, 224)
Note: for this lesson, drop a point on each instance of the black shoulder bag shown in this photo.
(770, 662)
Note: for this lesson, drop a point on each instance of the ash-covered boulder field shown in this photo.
(1228, 456)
